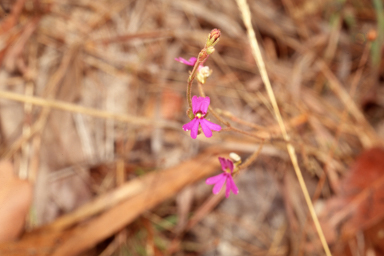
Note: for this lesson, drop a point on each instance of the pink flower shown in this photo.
(199, 109)
(226, 176)
(203, 72)
(190, 62)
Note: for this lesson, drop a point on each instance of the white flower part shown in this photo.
(205, 71)
(235, 157)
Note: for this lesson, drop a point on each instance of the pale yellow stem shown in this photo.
(244, 8)
(84, 110)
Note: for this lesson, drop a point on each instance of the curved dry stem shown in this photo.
(239, 121)
(231, 128)
(252, 158)
(211, 110)
(221, 120)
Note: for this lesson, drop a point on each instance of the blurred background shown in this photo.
(94, 159)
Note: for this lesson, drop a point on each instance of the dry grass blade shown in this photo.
(87, 111)
(351, 107)
(260, 63)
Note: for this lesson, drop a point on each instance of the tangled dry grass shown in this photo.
(92, 104)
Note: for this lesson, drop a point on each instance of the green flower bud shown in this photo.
(210, 50)
(190, 114)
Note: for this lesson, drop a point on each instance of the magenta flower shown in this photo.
(199, 109)
(190, 62)
(203, 72)
(226, 176)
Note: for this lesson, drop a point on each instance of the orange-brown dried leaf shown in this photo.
(360, 203)
(375, 235)
(15, 199)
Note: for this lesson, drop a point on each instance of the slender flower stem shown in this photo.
(229, 127)
(252, 158)
(202, 93)
(240, 121)
(190, 80)
(213, 39)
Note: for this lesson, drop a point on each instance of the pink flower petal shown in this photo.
(215, 179)
(200, 104)
(205, 101)
(223, 163)
(188, 126)
(192, 126)
(225, 177)
(195, 104)
(219, 184)
(213, 126)
(207, 132)
(195, 129)
(228, 188)
(190, 62)
(231, 186)
(230, 165)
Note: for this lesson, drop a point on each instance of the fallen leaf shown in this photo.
(109, 213)
(359, 204)
(15, 199)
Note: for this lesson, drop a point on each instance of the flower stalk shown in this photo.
(198, 112)
(213, 39)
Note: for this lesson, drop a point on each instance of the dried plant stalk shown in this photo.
(244, 8)
(84, 110)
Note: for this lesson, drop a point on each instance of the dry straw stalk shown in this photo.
(244, 8)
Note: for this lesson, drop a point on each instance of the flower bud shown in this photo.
(190, 114)
(213, 37)
(210, 50)
(235, 158)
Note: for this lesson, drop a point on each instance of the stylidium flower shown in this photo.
(226, 177)
(203, 72)
(199, 109)
(190, 62)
